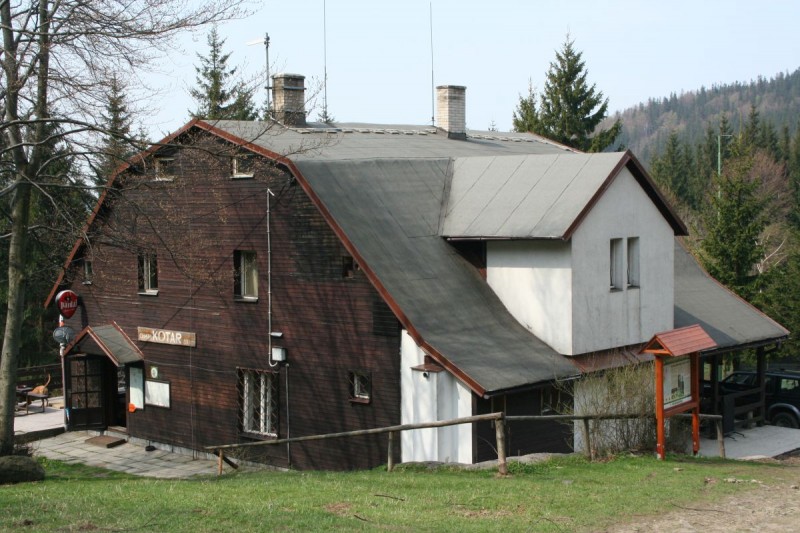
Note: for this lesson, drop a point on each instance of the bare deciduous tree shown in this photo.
(58, 57)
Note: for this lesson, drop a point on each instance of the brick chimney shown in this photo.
(451, 110)
(289, 99)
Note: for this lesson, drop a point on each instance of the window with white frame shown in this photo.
(242, 166)
(165, 168)
(245, 275)
(148, 273)
(88, 271)
(616, 265)
(633, 261)
(360, 386)
(258, 397)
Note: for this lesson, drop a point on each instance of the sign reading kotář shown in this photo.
(167, 336)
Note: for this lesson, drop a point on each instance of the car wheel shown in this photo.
(785, 420)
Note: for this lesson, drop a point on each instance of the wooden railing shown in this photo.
(37, 375)
(499, 420)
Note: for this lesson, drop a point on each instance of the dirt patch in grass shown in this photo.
(772, 505)
(340, 509)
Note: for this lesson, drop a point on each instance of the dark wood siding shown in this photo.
(521, 437)
(194, 224)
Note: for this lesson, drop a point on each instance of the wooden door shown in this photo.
(87, 392)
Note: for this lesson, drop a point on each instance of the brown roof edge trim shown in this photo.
(101, 200)
(640, 175)
(78, 338)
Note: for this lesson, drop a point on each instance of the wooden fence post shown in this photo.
(587, 443)
(720, 437)
(390, 459)
(500, 434)
(219, 462)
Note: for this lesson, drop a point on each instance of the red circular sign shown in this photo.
(67, 302)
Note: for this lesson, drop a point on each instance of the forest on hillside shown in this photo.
(729, 160)
(647, 126)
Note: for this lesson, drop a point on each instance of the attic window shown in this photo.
(88, 271)
(165, 168)
(349, 267)
(242, 166)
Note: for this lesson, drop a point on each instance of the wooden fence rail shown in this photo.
(499, 419)
(37, 375)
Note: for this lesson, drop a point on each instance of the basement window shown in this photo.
(360, 386)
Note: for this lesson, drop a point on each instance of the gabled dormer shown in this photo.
(579, 247)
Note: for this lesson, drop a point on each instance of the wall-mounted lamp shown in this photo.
(276, 334)
(278, 354)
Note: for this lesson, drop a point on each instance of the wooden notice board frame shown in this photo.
(677, 354)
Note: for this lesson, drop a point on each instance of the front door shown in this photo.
(87, 392)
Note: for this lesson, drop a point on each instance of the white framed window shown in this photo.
(245, 275)
(616, 260)
(88, 271)
(258, 396)
(242, 166)
(633, 262)
(165, 168)
(148, 273)
(360, 386)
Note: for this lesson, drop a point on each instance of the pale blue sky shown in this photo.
(379, 52)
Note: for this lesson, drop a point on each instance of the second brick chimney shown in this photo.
(289, 99)
(451, 110)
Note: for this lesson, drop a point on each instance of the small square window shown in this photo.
(246, 275)
(148, 273)
(349, 267)
(360, 386)
(165, 168)
(242, 166)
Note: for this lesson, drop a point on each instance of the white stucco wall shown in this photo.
(437, 396)
(604, 318)
(534, 281)
(560, 290)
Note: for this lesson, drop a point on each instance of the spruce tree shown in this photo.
(734, 221)
(117, 146)
(220, 94)
(570, 109)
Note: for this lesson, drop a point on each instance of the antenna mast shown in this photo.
(324, 63)
(269, 80)
(433, 88)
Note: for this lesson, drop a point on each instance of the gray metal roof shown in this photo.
(523, 196)
(729, 320)
(362, 141)
(394, 191)
(389, 210)
(109, 340)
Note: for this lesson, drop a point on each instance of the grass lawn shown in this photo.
(563, 494)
